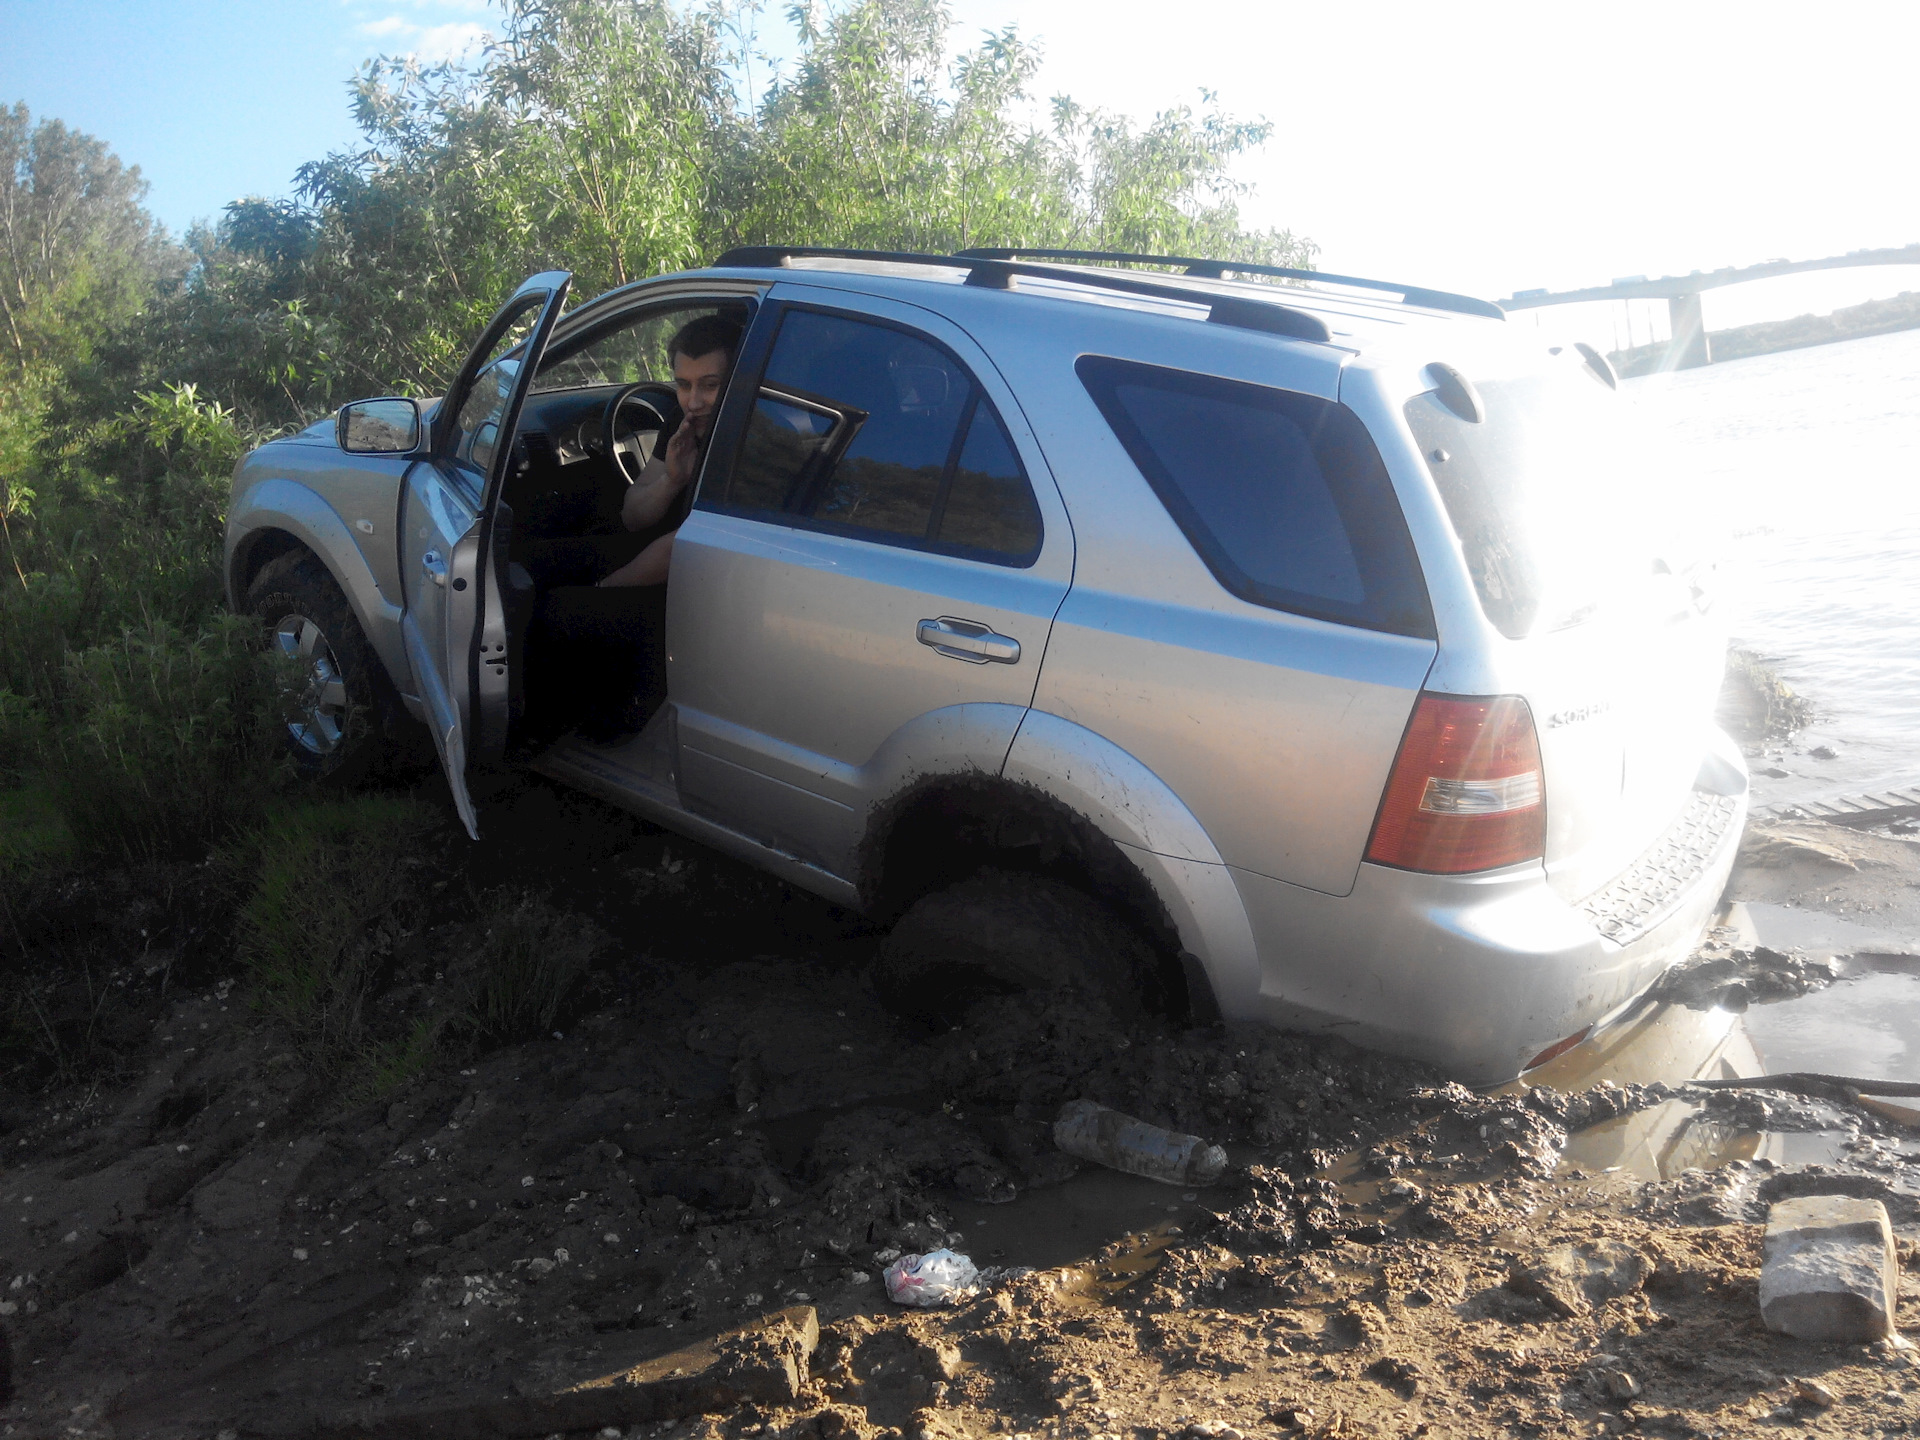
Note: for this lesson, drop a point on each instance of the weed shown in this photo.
(33, 832)
(170, 745)
(383, 1067)
(328, 881)
(531, 955)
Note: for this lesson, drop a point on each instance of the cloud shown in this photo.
(447, 41)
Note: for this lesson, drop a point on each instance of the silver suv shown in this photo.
(1268, 651)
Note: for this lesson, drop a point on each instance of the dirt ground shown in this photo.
(727, 1123)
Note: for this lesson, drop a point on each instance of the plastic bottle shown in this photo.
(1120, 1142)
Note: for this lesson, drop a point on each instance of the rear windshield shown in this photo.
(1283, 495)
(1547, 494)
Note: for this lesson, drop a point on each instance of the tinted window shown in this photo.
(1283, 495)
(989, 505)
(864, 429)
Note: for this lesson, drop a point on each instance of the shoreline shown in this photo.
(1771, 337)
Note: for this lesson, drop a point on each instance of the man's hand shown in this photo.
(683, 458)
(664, 477)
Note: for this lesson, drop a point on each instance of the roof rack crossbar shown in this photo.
(996, 272)
(1220, 269)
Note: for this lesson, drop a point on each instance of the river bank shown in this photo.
(1852, 322)
(727, 1123)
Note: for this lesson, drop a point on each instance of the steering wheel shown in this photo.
(633, 410)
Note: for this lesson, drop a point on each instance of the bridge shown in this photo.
(1689, 346)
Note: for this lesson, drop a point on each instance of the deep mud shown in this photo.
(728, 1123)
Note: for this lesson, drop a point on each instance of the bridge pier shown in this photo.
(1689, 348)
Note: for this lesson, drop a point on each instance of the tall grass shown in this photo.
(169, 742)
(530, 956)
(329, 883)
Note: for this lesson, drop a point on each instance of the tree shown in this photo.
(607, 137)
(78, 253)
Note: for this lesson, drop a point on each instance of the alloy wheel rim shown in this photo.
(317, 712)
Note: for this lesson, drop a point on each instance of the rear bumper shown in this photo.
(1480, 973)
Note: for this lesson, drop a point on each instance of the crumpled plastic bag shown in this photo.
(939, 1277)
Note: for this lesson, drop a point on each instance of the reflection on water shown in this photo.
(1866, 1024)
(1807, 463)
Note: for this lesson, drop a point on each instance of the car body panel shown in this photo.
(794, 656)
(1477, 974)
(269, 504)
(1278, 730)
(454, 625)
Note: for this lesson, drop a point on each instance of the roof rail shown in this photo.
(996, 272)
(1220, 269)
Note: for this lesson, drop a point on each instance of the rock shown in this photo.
(1571, 1279)
(1827, 1270)
(1398, 1375)
(1619, 1384)
(1812, 1392)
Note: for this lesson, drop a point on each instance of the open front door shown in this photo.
(455, 625)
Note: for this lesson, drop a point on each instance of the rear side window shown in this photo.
(1283, 495)
(863, 429)
(1555, 498)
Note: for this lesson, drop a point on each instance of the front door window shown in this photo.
(862, 429)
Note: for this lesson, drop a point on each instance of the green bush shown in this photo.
(32, 829)
(327, 884)
(170, 740)
(531, 955)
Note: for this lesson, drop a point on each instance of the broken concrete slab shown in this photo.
(764, 1363)
(1828, 1271)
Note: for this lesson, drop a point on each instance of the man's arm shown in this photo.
(648, 497)
(649, 567)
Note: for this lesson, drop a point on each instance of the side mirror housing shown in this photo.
(387, 426)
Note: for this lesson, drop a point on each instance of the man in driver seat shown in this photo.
(596, 654)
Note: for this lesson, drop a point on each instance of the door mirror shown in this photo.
(389, 426)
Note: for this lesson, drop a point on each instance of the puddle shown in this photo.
(1865, 1024)
(1107, 1228)
(1063, 1224)
(1788, 927)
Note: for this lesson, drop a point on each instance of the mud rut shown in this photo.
(729, 1124)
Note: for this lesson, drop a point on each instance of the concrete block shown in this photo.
(1827, 1270)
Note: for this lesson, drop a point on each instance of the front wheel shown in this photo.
(1003, 932)
(328, 705)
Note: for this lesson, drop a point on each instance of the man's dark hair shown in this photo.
(704, 336)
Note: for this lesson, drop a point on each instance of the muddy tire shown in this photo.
(331, 711)
(1005, 933)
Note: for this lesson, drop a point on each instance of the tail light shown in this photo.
(1466, 791)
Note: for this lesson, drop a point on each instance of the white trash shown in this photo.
(1120, 1142)
(939, 1277)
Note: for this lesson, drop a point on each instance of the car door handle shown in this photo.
(434, 566)
(968, 640)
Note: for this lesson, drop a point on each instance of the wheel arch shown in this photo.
(277, 517)
(943, 828)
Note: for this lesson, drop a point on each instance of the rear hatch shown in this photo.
(1581, 556)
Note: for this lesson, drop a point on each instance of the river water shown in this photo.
(1804, 466)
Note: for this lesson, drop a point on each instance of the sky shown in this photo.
(1482, 146)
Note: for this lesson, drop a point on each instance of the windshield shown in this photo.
(1548, 494)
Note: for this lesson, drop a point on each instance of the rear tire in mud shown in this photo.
(1000, 932)
(334, 728)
